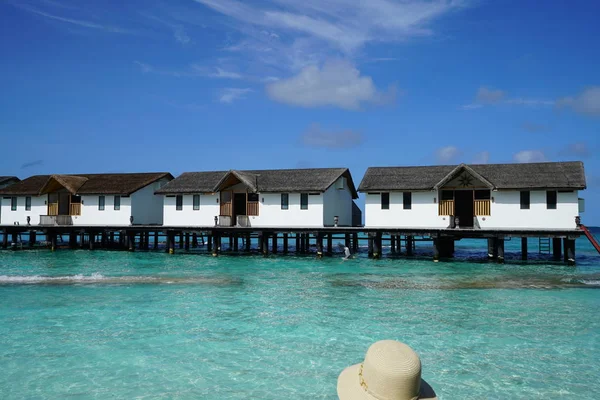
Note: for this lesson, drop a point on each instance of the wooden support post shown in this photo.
(491, 246)
(82, 239)
(215, 248)
(524, 243)
(307, 244)
(209, 242)
(393, 244)
(571, 251)
(319, 245)
(347, 241)
(500, 247)
(495, 248)
(32, 238)
(436, 250)
(565, 250)
(111, 240)
(248, 242)
(14, 240)
(146, 240)
(264, 243)
(274, 240)
(187, 241)
(377, 245)
(52, 240)
(371, 244)
(155, 244)
(329, 244)
(285, 243)
(131, 241)
(298, 246)
(181, 240)
(235, 243)
(4, 239)
(171, 242)
(92, 240)
(194, 240)
(556, 252)
(355, 244)
(72, 240)
(409, 245)
(103, 239)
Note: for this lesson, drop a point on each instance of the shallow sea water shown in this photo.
(80, 324)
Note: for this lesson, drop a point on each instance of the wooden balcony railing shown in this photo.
(75, 208)
(53, 209)
(226, 209)
(483, 207)
(55, 220)
(446, 207)
(252, 208)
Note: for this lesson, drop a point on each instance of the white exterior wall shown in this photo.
(38, 207)
(271, 214)
(91, 215)
(146, 207)
(338, 202)
(506, 211)
(205, 216)
(423, 214)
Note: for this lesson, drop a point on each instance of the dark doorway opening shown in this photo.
(239, 205)
(463, 207)
(64, 202)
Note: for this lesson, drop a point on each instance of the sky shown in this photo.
(193, 85)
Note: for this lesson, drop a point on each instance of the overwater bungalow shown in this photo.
(263, 198)
(85, 200)
(491, 196)
(7, 181)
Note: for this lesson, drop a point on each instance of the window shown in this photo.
(385, 201)
(447, 195)
(101, 201)
(407, 200)
(253, 197)
(482, 195)
(304, 201)
(28, 203)
(285, 201)
(551, 198)
(13, 204)
(525, 200)
(179, 202)
(117, 203)
(196, 202)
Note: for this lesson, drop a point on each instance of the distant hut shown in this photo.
(261, 198)
(89, 199)
(490, 196)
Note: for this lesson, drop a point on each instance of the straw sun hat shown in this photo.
(391, 371)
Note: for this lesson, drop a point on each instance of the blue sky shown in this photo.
(189, 85)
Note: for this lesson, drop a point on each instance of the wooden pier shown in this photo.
(275, 240)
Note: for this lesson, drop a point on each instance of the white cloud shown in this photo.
(74, 21)
(221, 73)
(344, 24)
(229, 95)
(447, 154)
(337, 84)
(586, 102)
(316, 137)
(529, 156)
(488, 96)
(180, 35)
(482, 158)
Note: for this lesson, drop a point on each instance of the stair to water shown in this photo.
(590, 237)
(545, 245)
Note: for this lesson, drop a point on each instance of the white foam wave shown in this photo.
(95, 277)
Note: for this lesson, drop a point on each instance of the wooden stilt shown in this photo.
(393, 244)
(347, 241)
(556, 251)
(371, 245)
(377, 248)
(155, 242)
(209, 242)
(409, 245)
(111, 240)
(5, 239)
(298, 243)
(131, 240)
(329, 244)
(32, 239)
(235, 243)
(571, 251)
(82, 239)
(355, 244)
(248, 242)
(92, 240)
(491, 245)
(565, 250)
(274, 240)
(215, 247)
(181, 240)
(187, 241)
(194, 240)
(524, 243)
(319, 245)
(285, 243)
(500, 246)
(436, 250)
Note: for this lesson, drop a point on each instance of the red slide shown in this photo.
(591, 237)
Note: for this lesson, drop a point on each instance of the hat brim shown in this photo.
(348, 387)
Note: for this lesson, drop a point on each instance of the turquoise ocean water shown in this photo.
(118, 325)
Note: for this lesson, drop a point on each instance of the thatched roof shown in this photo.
(549, 175)
(4, 180)
(274, 181)
(85, 184)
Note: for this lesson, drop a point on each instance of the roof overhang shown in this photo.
(462, 167)
(234, 177)
(71, 183)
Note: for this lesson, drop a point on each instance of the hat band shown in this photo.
(365, 386)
